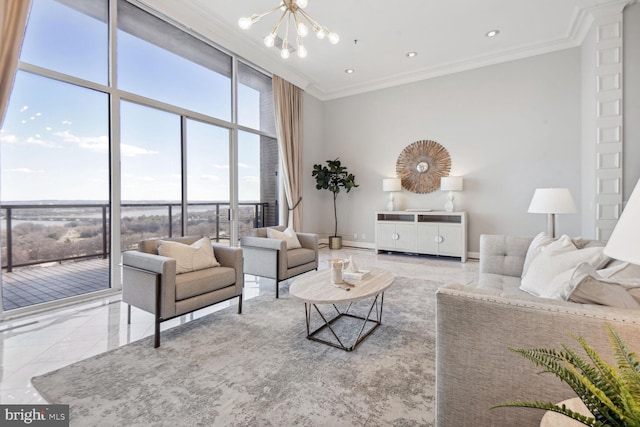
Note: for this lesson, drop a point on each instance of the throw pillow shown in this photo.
(288, 235)
(197, 256)
(556, 264)
(537, 244)
(615, 286)
(591, 290)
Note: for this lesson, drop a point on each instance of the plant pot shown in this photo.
(335, 242)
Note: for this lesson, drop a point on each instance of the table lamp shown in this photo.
(450, 184)
(623, 243)
(552, 201)
(391, 185)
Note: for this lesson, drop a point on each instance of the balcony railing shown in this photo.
(93, 222)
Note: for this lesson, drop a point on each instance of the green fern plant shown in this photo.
(611, 395)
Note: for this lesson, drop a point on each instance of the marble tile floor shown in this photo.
(35, 345)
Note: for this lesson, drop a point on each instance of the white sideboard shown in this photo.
(431, 233)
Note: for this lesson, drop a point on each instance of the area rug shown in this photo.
(258, 369)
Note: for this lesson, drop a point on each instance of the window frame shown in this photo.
(116, 96)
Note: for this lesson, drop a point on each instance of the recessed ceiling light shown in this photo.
(492, 33)
(412, 54)
(349, 71)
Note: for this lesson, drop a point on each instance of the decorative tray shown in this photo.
(355, 275)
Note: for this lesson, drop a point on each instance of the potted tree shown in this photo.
(333, 176)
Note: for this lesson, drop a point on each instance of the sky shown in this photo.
(55, 137)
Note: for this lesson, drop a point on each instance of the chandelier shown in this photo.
(293, 13)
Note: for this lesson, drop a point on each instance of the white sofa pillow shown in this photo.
(537, 245)
(197, 256)
(288, 235)
(554, 266)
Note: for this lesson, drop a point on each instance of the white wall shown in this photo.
(509, 129)
(312, 148)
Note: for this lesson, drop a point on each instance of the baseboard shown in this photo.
(350, 244)
(367, 245)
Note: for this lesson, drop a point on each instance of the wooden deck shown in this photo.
(36, 285)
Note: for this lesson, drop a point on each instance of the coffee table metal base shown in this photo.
(377, 321)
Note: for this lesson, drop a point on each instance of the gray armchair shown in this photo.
(150, 282)
(270, 258)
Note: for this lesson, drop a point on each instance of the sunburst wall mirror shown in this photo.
(421, 165)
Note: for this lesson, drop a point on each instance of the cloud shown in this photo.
(69, 137)
(100, 144)
(251, 179)
(8, 139)
(26, 170)
(243, 166)
(37, 141)
(221, 166)
(214, 178)
(14, 139)
(132, 151)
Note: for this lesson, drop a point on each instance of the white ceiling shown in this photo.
(449, 36)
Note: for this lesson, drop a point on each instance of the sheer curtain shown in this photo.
(13, 20)
(288, 111)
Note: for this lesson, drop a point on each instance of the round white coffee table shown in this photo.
(316, 288)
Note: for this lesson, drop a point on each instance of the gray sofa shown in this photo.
(475, 325)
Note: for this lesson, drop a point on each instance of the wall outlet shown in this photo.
(355, 236)
(364, 236)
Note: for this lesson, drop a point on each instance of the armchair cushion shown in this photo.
(296, 257)
(203, 281)
(288, 235)
(196, 256)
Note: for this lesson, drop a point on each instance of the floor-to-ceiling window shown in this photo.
(208, 181)
(152, 141)
(54, 151)
(150, 173)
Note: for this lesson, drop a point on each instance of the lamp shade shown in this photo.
(451, 183)
(552, 201)
(623, 243)
(391, 184)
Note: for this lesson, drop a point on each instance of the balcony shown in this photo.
(57, 251)
(25, 287)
